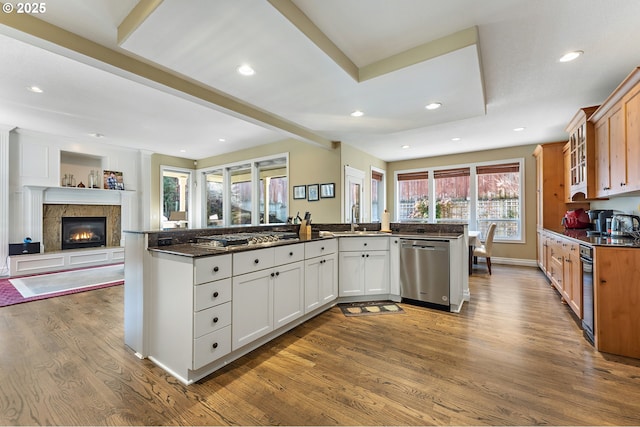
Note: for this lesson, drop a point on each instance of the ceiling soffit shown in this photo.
(189, 42)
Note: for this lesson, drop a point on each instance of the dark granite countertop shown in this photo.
(195, 250)
(582, 236)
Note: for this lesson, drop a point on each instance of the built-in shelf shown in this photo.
(80, 166)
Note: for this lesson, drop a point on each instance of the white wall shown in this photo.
(34, 160)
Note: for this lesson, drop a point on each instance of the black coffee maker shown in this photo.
(598, 218)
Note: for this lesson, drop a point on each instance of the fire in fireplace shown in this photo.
(84, 232)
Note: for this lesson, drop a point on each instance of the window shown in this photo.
(213, 198)
(275, 185)
(377, 194)
(413, 196)
(175, 194)
(479, 194)
(241, 195)
(452, 194)
(499, 200)
(250, 192)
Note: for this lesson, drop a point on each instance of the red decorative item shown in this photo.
(576, 219)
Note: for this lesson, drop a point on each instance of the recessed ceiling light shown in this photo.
(96, 135)
(433, 106)
(246, 70)
(221, 140)
(518, 129)
(35, 89)
(357, 113)
(404, 147)
(183, 151)
(570, 56)
(455, 139)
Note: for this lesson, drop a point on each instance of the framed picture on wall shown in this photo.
(113, 180)
(299, 191)
(312, 192)
(327, 191)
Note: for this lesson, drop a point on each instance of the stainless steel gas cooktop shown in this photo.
(232, 241)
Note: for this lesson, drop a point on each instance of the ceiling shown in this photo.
(160, 75)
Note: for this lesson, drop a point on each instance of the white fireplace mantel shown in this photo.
(36, 197)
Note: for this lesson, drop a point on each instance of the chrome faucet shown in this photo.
(354, 212)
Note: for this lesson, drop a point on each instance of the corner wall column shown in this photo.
(4, 199)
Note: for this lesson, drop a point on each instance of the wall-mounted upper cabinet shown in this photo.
(580, 178)
(617, 139)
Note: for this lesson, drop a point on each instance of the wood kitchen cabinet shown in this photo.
(551, 198)
(363, 266)
(580, 160)
(561, 264)
(572, 277)
(617, 298)
(550, 195)
(617, 135)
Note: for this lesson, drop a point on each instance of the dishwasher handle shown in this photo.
(422, 245)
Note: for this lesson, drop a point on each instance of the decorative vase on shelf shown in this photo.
(72, 181)
(91, 183)
(65, 180)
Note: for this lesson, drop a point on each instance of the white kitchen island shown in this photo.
(193, 311)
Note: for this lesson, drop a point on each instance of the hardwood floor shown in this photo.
(513, 356)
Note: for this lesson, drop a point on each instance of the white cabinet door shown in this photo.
(288, 293)
(351, 272)
(312, 268)
(376, 272)
(252, 309)
(328, 279)
(394, 266)
(321, 281)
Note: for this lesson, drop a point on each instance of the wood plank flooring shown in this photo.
(513, 356)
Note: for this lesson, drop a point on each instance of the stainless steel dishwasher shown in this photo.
(424, 272)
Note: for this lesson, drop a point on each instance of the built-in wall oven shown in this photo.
(588, 318)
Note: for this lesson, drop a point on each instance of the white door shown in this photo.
(353, 195)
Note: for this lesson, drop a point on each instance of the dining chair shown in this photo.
(485, 249)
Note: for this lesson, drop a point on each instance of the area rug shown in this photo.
(370, 308)
(42, 286)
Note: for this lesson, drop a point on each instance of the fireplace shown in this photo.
(83, 232)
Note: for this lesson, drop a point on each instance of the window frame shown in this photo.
(190, 185)
(226, 185)
(473, 192)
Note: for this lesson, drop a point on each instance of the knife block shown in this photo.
(305, 231)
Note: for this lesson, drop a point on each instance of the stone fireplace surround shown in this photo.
(52, 220)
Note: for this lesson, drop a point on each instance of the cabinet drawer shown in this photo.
(212, 346)
(364, 244)
(211, 268)
(249, 261)
(212, 293)
(320, 247)
(289, 253)
(211, 319)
